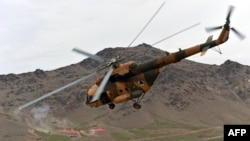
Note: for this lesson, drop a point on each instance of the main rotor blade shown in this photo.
(92, 56)
(175, 34)
(56, 91)
(102, 85)
(150, 20)
(240, 35)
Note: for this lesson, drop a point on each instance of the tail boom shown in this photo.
(182, 54)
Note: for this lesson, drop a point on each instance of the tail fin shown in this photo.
(204, 50)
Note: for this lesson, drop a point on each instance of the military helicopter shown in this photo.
(130, 81)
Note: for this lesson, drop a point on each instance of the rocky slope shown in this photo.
(186, 92)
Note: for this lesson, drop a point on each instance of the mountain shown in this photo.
(187, 98)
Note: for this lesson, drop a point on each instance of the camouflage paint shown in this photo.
(131, 77)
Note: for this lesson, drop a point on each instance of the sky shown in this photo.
(40, 34)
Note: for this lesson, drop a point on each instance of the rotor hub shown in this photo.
(113, 61)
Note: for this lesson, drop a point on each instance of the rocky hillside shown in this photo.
(186, 92)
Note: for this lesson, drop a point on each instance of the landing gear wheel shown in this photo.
(137, 106)
(111, 106)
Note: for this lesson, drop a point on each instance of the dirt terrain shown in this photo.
(189, 101)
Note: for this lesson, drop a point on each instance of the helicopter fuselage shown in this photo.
(131, 80)
(123, 85)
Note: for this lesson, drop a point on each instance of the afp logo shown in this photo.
(236, 132)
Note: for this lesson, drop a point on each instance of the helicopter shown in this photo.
(131, 81)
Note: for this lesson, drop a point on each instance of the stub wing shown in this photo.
(204, 50)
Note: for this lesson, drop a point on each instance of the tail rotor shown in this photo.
(239, 34)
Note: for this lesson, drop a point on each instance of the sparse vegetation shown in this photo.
(187, 102)
(52, 137)
(119, 136)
